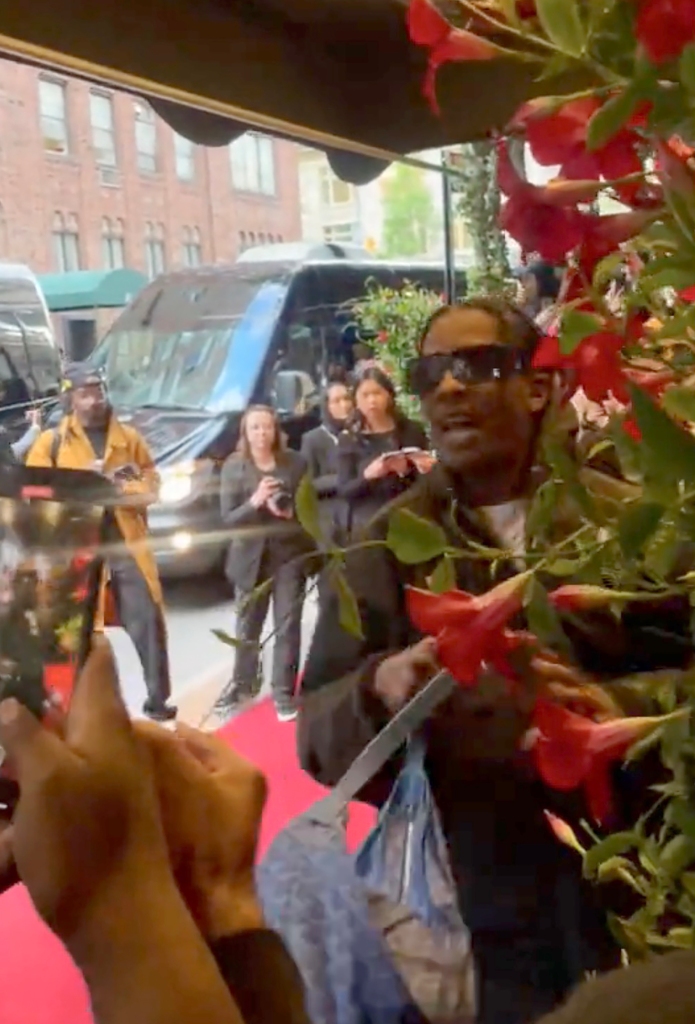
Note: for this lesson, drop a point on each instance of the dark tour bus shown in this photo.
(29, 356)
(195, 348)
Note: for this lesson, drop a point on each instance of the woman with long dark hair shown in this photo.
(320, 449)
(382, 453)
(268, 545)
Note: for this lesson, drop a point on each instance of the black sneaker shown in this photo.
(237, 693)
(285, 709)
(160, 712)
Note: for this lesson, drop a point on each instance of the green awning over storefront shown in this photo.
(91, 289)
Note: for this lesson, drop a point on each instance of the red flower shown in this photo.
(382, 337)
(542, 219)
(427, 27)
(596, 362)
(572, 751)
(603, 235)
(470, 630)
(665, 27)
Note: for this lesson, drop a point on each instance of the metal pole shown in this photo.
(449, 267)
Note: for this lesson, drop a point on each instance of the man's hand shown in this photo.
(399, 677)
(211, 802)
(87, 826)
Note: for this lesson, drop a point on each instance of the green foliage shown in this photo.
(479, 201)
(409, 212)
(392, 321)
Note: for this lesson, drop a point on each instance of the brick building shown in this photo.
(91, 178)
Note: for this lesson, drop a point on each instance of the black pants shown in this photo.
(520, 977)
(287, 592)
(143, 621)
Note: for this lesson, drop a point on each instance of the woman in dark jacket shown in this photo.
(267, 544)
(370, 472)
(320, 449)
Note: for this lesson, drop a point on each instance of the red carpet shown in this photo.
(38, 982)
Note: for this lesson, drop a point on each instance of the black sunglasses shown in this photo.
(478, 364)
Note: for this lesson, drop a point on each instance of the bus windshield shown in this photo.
(208, 361)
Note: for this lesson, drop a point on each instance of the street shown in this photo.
(200, 663)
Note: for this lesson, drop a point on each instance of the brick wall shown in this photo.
(35, 185)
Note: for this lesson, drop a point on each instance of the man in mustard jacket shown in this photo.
(90, 437)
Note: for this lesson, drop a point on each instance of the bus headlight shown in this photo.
(176, 483)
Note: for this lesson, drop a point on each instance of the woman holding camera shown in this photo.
(268, 546)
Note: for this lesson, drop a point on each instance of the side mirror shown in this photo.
(288, 391)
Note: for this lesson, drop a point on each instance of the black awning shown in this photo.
(336, 72)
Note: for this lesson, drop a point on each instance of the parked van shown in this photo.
(30, 366)
(196, 347)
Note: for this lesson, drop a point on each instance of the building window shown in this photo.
(66, 243)
(184, 152)
(242, 241)
(112, 244)
(192, 248)
(103, 131)
(155, 254)
(341, 234)
(252, 238)
(54, 116)
(145, 138)
(253, 164)
(334, 192)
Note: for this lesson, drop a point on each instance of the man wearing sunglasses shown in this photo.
(536, 927)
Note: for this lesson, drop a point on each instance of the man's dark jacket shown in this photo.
(536, 926)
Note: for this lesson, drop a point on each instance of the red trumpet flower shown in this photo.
(427, 27)
(542, 219)
(557, 135)
(471, 630)
(596, 362)
(571, 751)
(665, 27)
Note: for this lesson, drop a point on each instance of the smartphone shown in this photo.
(51, 535)
(402, 453)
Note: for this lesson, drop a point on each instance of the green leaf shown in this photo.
(637, 525)
(564, 567)
(540, 514)
(610, 118)
(677, 855)
(575, 327)
(673, 276)
(681, 815)
(307, 508)
(562, 24)
(414, 540)
(349, 612)
(629, 937)
(688, 883)
(543, 620)
(227, 638)
(680, 402)
(612, 846)
(443, 578)
(667, 450)
(686, 67)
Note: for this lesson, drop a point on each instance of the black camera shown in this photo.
(282, 500)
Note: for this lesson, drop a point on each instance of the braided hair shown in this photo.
(515, 326)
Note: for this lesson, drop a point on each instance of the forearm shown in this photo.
(336, 722)
(145, 960)
(243, 514)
